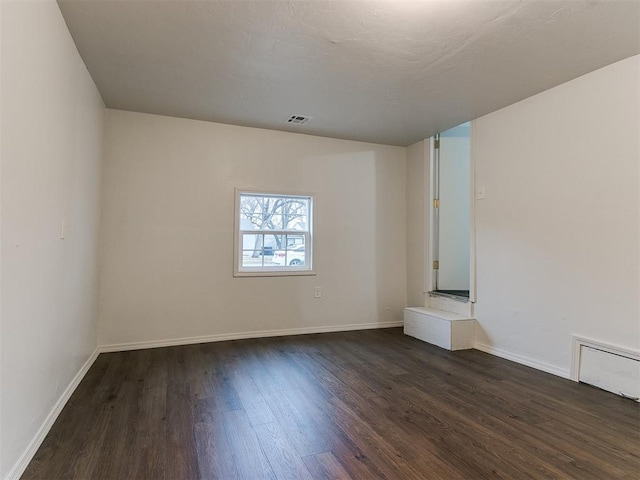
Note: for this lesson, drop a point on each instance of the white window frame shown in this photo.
(272, 270)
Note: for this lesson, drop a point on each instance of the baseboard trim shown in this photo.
(21, 465)
(521, 359)
(120, 347)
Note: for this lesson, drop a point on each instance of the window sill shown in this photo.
(276, 273)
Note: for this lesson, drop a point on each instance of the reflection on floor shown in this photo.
(372, 404)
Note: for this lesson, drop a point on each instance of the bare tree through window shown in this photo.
(274, 213)
(273, 234)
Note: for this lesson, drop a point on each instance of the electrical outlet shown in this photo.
(317, 292)
(481, 194)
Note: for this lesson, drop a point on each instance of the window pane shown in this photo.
(250, 221)
(291, 255)
(296, 222)
(295, 240)
(272, 221)
(252, 258)
(267, 212)
(274, 242)
(262, 251)
(251, 242)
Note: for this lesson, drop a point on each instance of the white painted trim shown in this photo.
(426, 227)
(431, 281)
(472, 215)
(26, 457)
(579, 341)
(271, 271)
(283, 272)
(120, 347)
(521, 359)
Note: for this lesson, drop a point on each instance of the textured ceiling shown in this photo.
(391, 72)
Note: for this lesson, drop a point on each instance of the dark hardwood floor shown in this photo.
(364, 405)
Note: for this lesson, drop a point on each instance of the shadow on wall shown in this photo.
(344, 237)
(482, 337)
(390, 246)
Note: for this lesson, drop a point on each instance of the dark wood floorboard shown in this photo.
(367, 405)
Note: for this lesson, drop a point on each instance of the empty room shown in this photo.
(289, 239)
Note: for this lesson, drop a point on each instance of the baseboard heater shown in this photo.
(608, 367)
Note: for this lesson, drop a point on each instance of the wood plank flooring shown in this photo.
(370, 404)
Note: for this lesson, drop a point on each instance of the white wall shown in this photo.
(167, 231)
(557, 235)
(417, 221)
(50, 156)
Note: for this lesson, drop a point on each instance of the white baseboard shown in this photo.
(521, 359)
(120, 347)
(22, 463)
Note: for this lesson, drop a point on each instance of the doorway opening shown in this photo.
(451, 212)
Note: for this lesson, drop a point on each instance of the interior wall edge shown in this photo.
(52, 133)
(20, 466)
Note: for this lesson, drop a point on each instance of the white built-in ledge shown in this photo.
(444, 329)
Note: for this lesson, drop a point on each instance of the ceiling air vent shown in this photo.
(298, 119)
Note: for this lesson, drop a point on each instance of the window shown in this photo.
(273, 234)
